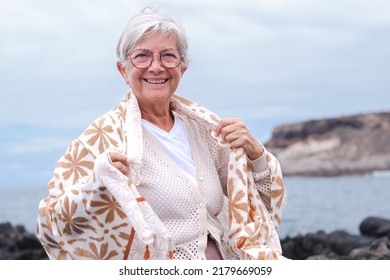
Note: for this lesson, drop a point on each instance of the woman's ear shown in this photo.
(183, 69)
(122, 70)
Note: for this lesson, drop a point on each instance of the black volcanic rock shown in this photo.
(17, 244)
(375, 226)
(340, 245)
(336, 146)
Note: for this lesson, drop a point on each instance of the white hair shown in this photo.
(147, 22)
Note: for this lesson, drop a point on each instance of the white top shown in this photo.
(189, 211)
(175, 144)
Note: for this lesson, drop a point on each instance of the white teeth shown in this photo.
(156, 82)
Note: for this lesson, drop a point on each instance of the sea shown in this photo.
(313, 203)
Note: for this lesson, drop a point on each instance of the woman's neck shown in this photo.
(158, 114)
(163, 121)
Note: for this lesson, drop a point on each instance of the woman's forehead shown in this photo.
(157, 40)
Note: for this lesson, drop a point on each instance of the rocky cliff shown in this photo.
(355, 144)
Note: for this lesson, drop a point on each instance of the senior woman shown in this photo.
(159, 176)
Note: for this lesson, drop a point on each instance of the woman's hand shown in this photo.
(237, 135)
(121, 162)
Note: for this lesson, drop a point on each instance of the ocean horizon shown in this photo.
(313, 203)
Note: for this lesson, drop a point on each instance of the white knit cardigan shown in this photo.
(93, 211)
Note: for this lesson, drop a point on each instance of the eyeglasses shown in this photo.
(142, 59)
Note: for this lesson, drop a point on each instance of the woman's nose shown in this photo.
(156, 64)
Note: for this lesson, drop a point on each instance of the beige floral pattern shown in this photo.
(74, 164)
(95, 212)
(108, 206)
(73, 223)
(100, 135)
(96, 253)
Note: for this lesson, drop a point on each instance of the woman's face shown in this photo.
(156, 84)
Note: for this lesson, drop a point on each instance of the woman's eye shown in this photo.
(168, 55)
(142, 55)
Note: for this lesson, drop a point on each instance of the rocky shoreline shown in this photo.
(372, 244)
(346, 145)
(18, 244)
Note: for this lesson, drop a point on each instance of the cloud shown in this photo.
(35, 146)
(268, 62)
(61, 57)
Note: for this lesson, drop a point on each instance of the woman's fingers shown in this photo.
(120, 161)
(227, 126)
(235, 132)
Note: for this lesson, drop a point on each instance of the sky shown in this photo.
(268, 62)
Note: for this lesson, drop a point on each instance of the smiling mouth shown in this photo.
(156, 82)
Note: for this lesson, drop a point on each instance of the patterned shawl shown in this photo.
(95, 212)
